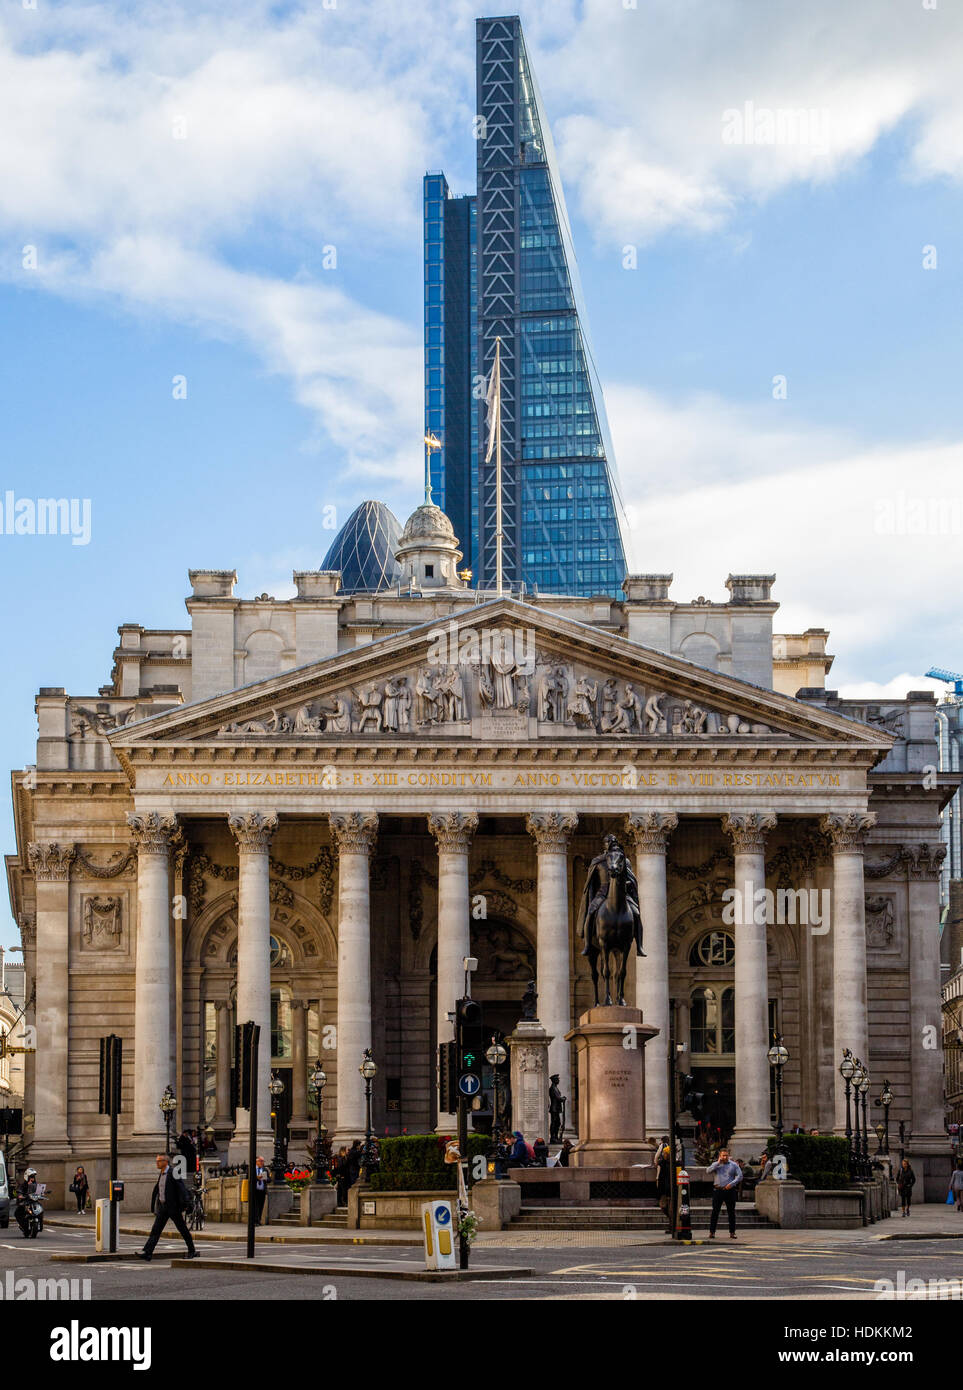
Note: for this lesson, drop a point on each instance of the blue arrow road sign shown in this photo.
(469, 1084)
(442, 1215)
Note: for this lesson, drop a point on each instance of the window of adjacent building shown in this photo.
(712, 1020)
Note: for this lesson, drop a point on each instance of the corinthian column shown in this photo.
(50, 864)
(222, 1083)
(253, 831)
(650, 832)
(355, 833)
(748, 833)
(452, 831)
(552, 831)
(850, 1022)
(155, 833)
(926, 1028)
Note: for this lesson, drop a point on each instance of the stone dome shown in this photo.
(428, 523)
(363, 551)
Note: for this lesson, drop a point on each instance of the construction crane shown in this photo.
(951, 677)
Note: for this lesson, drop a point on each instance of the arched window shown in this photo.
(713, 948)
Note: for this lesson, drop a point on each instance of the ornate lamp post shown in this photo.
(778, 1057)
(168, 1105)
(369, 1071)
(276, 1087)
(495, 1057)
(880, 1130)
(863, 1091)
(886, 1100)
(847, 1068)
(857, 1137)
(318, 1083)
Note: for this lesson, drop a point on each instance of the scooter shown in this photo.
(30, 1217)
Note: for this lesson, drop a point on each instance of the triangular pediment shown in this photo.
(502, 672)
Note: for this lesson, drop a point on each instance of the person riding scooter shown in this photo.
(26, 1194)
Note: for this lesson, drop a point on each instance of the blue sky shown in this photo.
(180, 169)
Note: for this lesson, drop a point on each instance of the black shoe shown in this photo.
(193, 1255)
(143, 1255)
(732, 1235)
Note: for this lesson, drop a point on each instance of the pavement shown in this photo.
(318, 1264)
(930, 1221)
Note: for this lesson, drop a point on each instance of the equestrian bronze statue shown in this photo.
(609, 919)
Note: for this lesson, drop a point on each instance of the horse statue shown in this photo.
(609, 920)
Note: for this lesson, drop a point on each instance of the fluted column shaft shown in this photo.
(253, 831)
(552, 831)
(650, 831)
(850, 1019)
(299, 1062)
(355, 833)
(222, 1103)
(748, 833)
(50, 864)
(155, 834)
(926, 1027)
(452, 831)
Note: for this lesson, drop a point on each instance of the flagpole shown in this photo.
(498, 468)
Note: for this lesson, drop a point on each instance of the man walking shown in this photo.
(168, 1200)
(728, 1176)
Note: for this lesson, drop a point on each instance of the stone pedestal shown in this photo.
(528, 1046)
(610, 1047)
(317, 1201)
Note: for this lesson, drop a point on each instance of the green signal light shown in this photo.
(469, 1059)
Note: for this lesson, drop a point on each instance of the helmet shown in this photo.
(30, 1173)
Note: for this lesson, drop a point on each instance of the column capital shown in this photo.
(453, 830)
(253, 830)
(354, 831)
(748, 830)
(154, 832)
(847, 831)
(222, 1005)
(552, 830)
(27, 922)
(651, 830)
(50, 862)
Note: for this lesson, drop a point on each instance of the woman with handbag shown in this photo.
(80, 1188)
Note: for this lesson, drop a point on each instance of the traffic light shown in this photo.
(111, 1074)
(447, 1077)
(469, 1035)
(244, 1052)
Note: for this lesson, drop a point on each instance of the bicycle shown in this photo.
(195, 1216)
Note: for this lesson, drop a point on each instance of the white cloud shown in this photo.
(863, 542)
(895, 689)
(652, 86)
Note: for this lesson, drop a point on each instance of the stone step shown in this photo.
(533, 1218)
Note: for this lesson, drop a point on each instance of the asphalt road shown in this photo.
(816, 1270)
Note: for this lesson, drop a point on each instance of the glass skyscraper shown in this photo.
(501, 265)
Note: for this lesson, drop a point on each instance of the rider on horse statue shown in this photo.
(595, 892)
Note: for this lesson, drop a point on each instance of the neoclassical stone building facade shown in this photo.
(307, 811)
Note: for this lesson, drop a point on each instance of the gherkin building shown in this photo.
(364, 550)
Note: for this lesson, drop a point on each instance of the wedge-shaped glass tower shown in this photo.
(511, 249)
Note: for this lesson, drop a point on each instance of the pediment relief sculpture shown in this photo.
(554, 696)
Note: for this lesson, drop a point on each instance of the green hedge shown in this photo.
(416, 1163)
(818, 1161)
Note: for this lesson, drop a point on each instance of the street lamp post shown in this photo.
(778, 1057)
(318, 1083)
(880, 1130)
(886, 1100)
(369, 1071)
(863, 1092)
(276, 1087)
(857, 1136)
(168, 1104)
(495, 1056)
(847, 1068)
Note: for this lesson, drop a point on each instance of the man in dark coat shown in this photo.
(168, 1201)
(187, 1147)
(595, 891)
